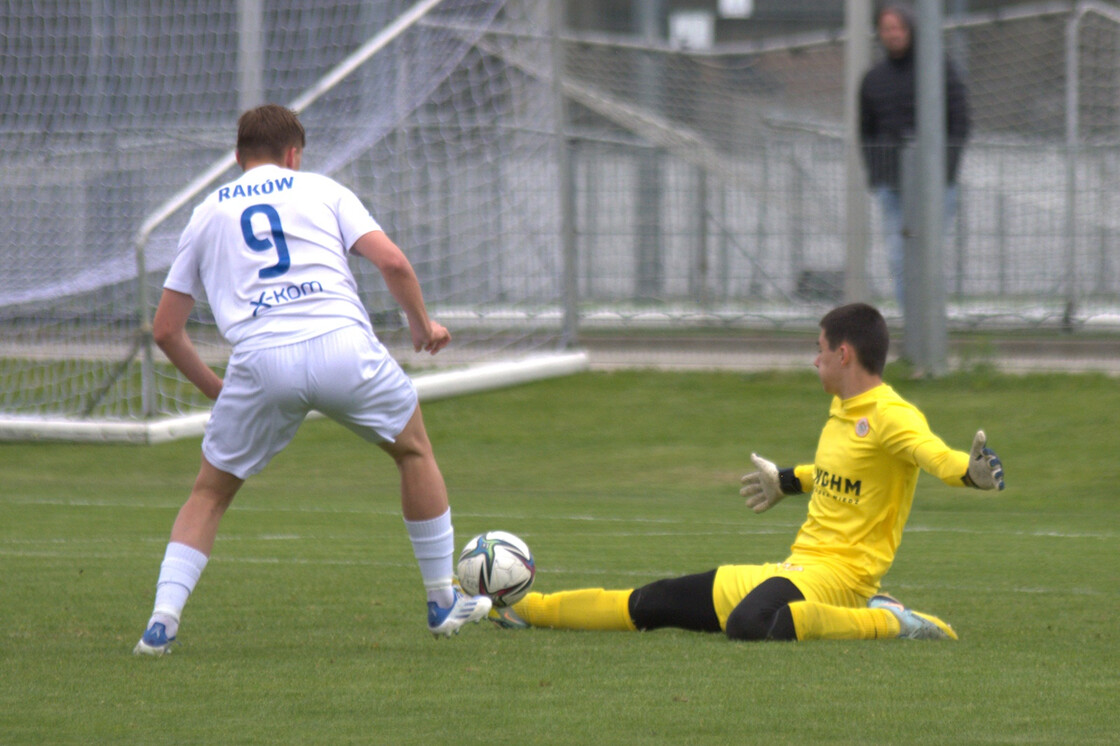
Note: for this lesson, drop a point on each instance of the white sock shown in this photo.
(433, 543)
(181, 568)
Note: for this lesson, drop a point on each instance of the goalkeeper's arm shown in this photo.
(767, 486)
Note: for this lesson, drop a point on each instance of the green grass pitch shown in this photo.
(308, 625)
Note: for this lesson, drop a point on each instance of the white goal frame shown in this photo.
(429, 387)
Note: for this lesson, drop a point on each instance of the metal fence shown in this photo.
(715, 180)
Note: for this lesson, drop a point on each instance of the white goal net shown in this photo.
(118, 120)
(651, 186)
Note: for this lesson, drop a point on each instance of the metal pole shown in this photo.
(1073, 126)
(700, 284)
(913, 331)
(857, 58)
(250, 53)
(650, 262)
(724, 247)
(565, 182)
(763, 226)
(147, 358)
(930, 292)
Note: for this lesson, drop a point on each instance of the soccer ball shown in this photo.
(496, 564)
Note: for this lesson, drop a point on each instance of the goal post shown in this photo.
(446, 142)
(430, 386)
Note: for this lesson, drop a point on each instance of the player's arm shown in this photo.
(980, 468)
(169, 330)
(907, 435)
(402, 282)
(766, 487)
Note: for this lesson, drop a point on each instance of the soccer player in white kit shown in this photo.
(269, 252)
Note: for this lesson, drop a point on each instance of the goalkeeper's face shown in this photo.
(828, 362)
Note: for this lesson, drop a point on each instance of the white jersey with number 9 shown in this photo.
(269, 253)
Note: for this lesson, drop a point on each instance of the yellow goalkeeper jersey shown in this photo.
(863, 480)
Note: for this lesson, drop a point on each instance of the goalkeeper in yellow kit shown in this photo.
(862, 484)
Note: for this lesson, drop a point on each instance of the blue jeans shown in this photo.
(890, 201)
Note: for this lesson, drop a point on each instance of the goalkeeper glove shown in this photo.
(767, 486)
(985, 471)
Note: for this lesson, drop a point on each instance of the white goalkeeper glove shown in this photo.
(985, 471)
(766, 487)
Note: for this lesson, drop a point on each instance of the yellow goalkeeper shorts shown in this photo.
(818, 582)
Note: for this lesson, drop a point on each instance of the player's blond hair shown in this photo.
(268, 132)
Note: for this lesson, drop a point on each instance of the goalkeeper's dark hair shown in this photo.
(268, 131)
(864, 328)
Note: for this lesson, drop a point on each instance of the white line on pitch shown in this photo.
(772, 526)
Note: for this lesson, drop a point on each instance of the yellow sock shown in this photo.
(588, 608)
(815, 621)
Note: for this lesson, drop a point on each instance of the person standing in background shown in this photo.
(888, 109)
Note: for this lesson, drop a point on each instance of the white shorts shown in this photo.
(347, 374)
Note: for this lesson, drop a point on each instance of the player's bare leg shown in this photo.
(210, 498)
(192, 540)
(423, 491)
(428, 520)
